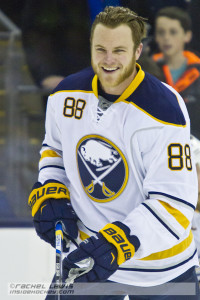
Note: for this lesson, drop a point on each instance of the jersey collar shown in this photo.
(129, 90)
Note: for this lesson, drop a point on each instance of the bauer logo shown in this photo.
(102, 168)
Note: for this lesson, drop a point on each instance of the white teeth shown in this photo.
(110, 69)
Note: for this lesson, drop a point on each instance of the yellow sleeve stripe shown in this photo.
(180, 218)
(172, 251)
(50, 190)
(49, 153)
(116, 236)
(59, 232)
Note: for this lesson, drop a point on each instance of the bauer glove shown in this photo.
(50, 204)
(111, 247)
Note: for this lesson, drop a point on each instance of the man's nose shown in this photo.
(109, 58)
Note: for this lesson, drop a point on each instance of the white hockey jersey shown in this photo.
(131, 163)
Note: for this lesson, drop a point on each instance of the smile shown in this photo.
(109, 70)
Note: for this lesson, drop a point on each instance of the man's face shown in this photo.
(170, 36)
(113, 57)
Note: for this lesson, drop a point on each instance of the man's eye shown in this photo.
(119, 50)
(100, 49)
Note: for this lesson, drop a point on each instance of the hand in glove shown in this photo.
(112, 246)
(50, 204)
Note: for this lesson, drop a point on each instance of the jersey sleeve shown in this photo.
(168, 182)
(51, 166)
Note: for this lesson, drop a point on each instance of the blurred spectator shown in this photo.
(180, 68)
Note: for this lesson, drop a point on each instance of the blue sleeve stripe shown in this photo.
(160, 270)
(174, 198)
(53, 166)
(45, 145)
(58, 251)
(161, 221)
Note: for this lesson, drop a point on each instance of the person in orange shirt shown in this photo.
(181, 68)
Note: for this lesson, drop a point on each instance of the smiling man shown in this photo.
(117, 145)
(114, 56)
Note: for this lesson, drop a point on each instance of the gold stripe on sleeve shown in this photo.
(180, 218)
(172, 251)
(49, 153)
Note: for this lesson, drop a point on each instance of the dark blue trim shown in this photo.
(156, 99)
(52, 166)
(174, 198)
(78, 81)
(160, 270)
(161, 221)
(46, 145)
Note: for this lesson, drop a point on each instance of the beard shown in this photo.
(108, 80)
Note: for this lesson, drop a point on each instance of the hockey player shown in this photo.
(116, 166)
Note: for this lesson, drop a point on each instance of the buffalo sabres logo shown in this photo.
(102, 168)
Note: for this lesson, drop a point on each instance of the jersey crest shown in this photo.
(102, 167)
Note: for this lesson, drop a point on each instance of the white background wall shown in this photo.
(24, 258)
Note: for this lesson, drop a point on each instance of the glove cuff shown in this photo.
(118, 234)
(133, 239)
(55, 190)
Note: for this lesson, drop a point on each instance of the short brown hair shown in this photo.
(113, 16)
(176, 13)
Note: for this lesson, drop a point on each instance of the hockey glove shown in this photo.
(112, 246)
(50, 204)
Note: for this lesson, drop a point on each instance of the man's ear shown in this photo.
(188, 36)
(138, 51)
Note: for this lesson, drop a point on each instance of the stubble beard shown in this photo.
(128, 71)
